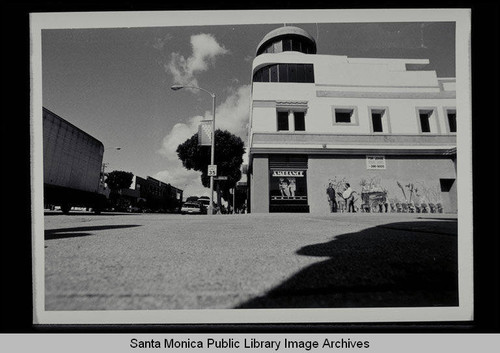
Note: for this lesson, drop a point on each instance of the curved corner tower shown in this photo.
(287, 39)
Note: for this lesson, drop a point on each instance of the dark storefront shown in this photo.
(288, 184)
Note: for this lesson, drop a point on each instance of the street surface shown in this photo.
(169, 261)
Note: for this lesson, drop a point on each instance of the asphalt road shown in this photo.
(165, 261)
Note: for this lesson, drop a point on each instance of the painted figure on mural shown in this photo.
(348, 195)
(292, 186)
(331, 198)
(284, 188)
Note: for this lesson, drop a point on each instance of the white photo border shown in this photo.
(66, 20)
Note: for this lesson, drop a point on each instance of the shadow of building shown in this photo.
(405, 264)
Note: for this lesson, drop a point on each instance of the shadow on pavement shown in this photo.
(405, 264)
(75, 232)
(86, 213)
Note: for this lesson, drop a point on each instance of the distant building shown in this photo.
(157, 195)
(385, 126)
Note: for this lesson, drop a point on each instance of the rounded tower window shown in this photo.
(287, 39)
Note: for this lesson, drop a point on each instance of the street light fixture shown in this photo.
(212, 149)
(103, 169)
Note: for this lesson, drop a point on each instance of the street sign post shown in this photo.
(212, 170)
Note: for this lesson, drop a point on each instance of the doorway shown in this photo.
(449, 195)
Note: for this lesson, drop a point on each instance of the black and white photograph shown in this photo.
(259, 166)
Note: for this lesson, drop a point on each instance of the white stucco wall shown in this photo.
(360, 84)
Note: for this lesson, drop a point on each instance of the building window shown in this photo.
(292, 73)
(273, 71)
(343, 116)
(283, 121)
(299, 121)
(283, 73)
(257, 77)
(427, 120)
(287, 44)
(424, 122)
(291, 120)
(265, 74)
(452, 120)
(299, 73)
(377, 122)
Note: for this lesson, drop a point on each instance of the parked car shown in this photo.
(204, 201)
(191, 208)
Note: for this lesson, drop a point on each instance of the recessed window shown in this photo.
(452, 120)
(283, 121)
(377, 122)
(343, 115)
(299, 121)
(379, 119)
(428, 121)
(424, 122)
(291, 120)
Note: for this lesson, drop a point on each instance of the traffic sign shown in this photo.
(221, 178)
(212, 170)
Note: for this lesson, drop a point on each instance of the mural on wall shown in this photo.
(371, 194)
(346, 196)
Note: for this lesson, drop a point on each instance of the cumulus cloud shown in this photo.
(205, 49)
(232, 114)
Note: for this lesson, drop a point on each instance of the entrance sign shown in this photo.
(375, 162)
(288, 173)
(212, 170)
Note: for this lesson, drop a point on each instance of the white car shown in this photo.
(191, 208)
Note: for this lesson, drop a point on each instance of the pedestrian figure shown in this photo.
(330, 191)
(348, 195)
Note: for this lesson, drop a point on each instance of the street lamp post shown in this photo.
(212, 148)
(103, 171)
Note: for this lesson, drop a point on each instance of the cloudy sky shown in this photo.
(114, 83)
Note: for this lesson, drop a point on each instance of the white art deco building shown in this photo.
(385, 126)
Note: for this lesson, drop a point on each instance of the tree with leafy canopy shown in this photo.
(229, 150)
(119, 179)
